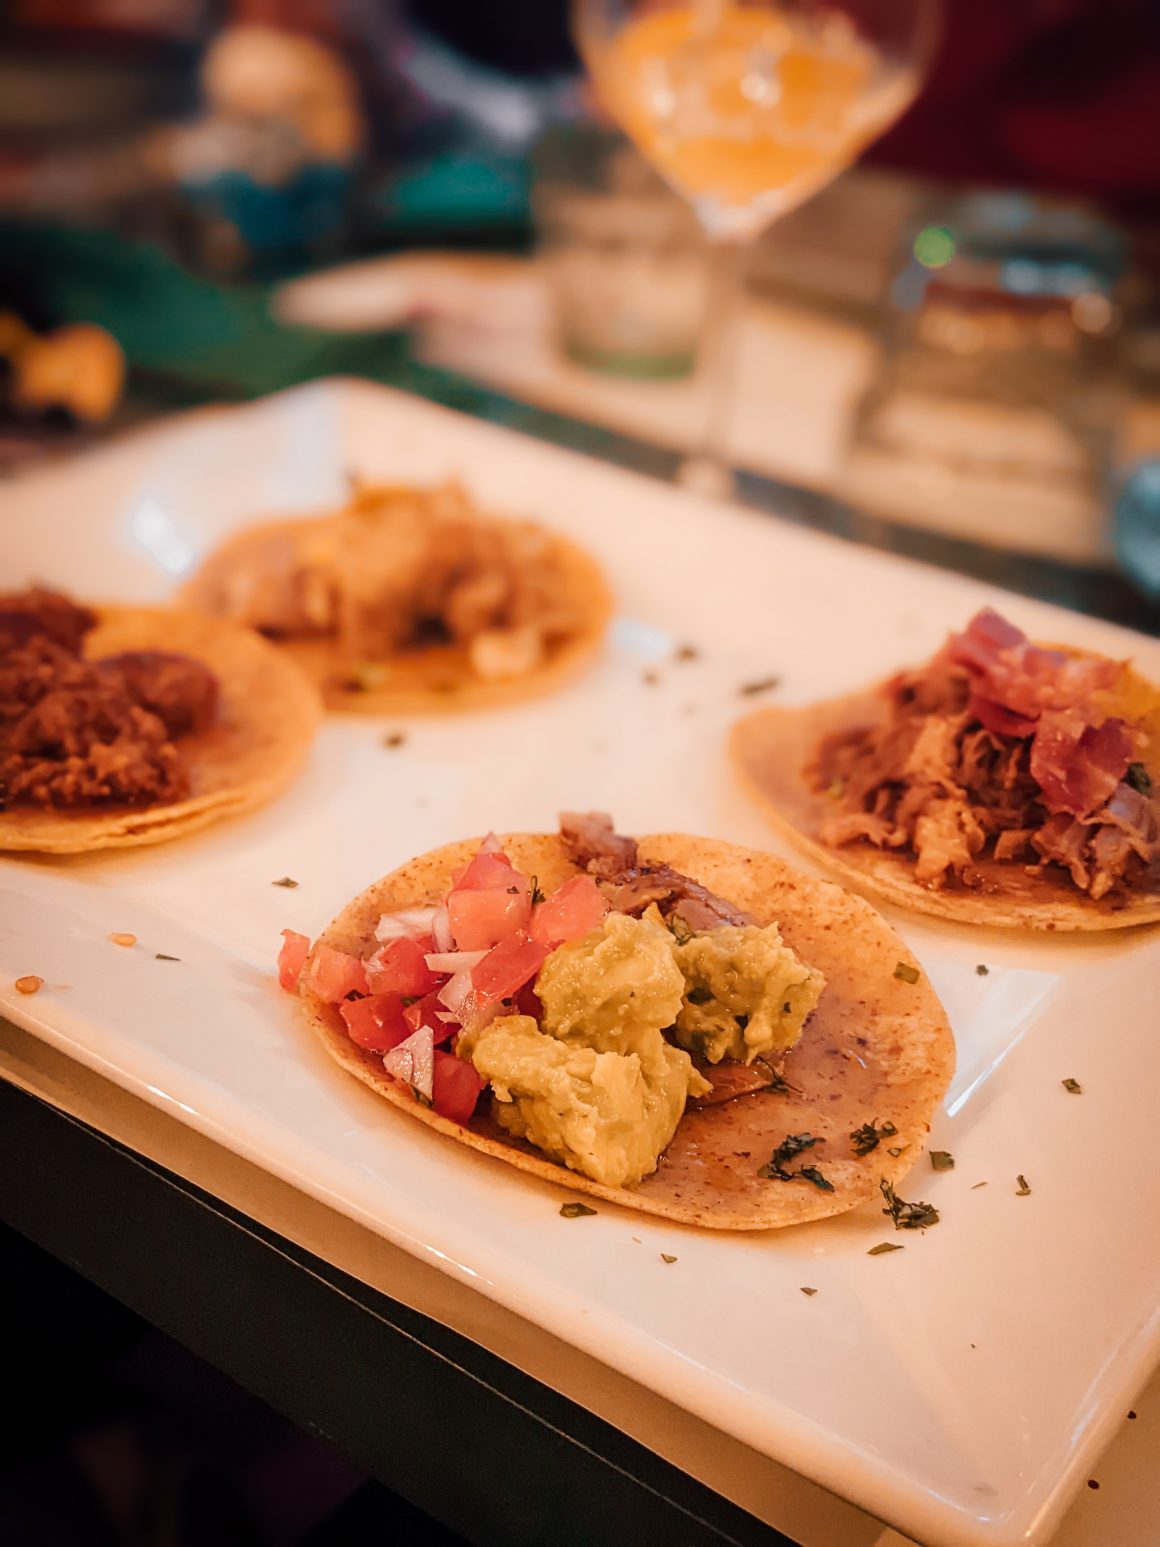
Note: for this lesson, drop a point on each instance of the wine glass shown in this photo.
(747, 108)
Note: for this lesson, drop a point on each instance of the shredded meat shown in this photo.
(730, 1079)
(932, 780)
(631, 887)
(400, 568)
(77, 733)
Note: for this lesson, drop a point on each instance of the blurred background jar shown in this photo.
(624, 257)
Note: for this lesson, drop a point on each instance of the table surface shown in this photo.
(558, 1426)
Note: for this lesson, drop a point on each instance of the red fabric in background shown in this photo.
(1059, 94)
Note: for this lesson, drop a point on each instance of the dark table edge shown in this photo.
(477, 1444)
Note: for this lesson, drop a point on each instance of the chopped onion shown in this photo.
(413, 1062)
(446, 1017)
(457, 992)
(407, 924)
(491, 845)
(441, 929)
(453, 961)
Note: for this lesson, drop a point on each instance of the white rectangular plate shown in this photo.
(959, 1389)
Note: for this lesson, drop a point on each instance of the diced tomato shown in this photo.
(455, 1087)
(507, 967)
(424, 1012)
(292, 958)
(375, 1023)
(528, 1003)
(486, 870)
(399, 968)
(332, 975)
(569, 913)
(482, 917)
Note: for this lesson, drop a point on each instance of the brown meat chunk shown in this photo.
(41, 613)
(181, 692)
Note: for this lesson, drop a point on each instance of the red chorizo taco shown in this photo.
(1001, 783)
(673, 1024)
(123, 726)
(411, 600)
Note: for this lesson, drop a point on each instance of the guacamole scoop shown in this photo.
(595, 1085)
(747, 993)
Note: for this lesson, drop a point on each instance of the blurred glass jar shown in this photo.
(626, 262)
(993, 413)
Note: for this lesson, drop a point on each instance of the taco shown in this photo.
(1001, 783)
(123, 726)
(411, 600)
(677, 1025)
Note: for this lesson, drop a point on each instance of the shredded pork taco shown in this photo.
(413, 600)
(122, 726)
(1001, 783)
(680, 1026)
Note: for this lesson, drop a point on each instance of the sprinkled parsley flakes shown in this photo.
(1073, 1087)
(867, 1138)
(942, 1160)
(885, 1246)
(907, 1216)
(163, 956)
(759, 685)
(667, 1257)
(286, 881)
(808, 1290)
(1023, 1189)
(575, 1210)
(982, 970)
(905, 973)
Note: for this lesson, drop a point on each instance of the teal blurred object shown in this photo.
(307, 212)
(458, 194)
(1137, 527)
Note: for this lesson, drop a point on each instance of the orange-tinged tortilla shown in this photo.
(773, 748)
(268, 713)
(877, 1049)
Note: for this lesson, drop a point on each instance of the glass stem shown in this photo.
(709, 470)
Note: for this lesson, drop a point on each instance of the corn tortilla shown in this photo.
(268, 713)
(876, 1048)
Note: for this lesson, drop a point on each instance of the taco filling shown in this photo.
(587, 1018)
(998, 749)
(401, 571)
(77, 733)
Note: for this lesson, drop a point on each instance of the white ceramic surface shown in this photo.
(960, 1388)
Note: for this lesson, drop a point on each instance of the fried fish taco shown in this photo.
(1001, 783)
(411, 600)
(124, 726)
(677, 1025)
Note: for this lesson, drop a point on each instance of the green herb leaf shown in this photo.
(885, 1246)
(867, 1138)
(666, 1256)
(942, 1160)
(537, 894)
(898, 1149)
(161, 956)
(793, 1144)
(807, 1290)
(779, 1084)
(1073, 1087)
(575, 1210)
(1023, 1190)
(905, 972)
(1139, 778)
(982, 970)
(907, 1216)
(287, 881)
(812, 1174)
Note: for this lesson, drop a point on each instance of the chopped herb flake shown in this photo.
(793, 1144)
(976, 1185)
(869, 1136)
(687, 653)
(885, 1246)
(1073, 1087)
(667, 1257)
(1023, 1189)
(575, 1210)
(942, 1160)
(779, 1084)
(287, 881)
(760, 685)
(907, 1216)
(982, 970)
(808, 1290)
(812, 1174)
(1139, 778)
(898, 1149)
(537, 894)
(905, 972)
(162, 956)
(650, 678)
(395, 739)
